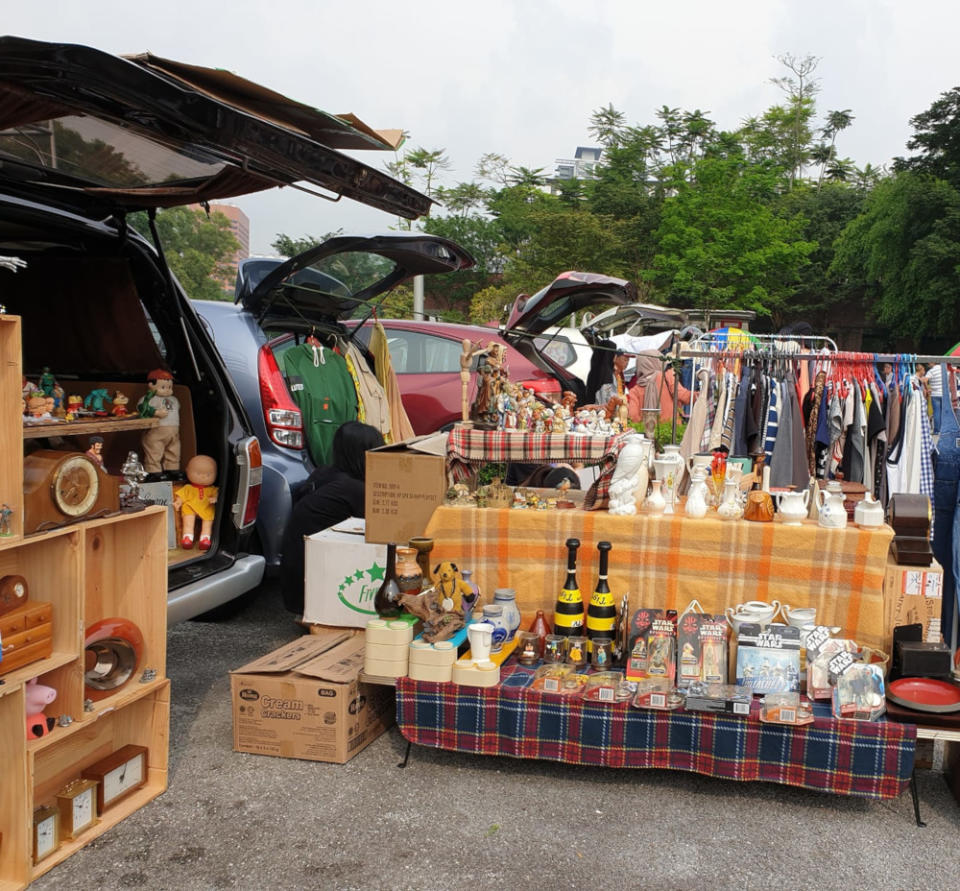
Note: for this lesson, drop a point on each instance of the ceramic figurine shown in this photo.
(470, 351)
(197, 499)
(120, 401)
(5, 513)
(37, 409)
(59, 411)
(47, 381)
(631, 466)
(74, 407)
(95, 450)
(28, 388)
(96, 401)
(161, 444)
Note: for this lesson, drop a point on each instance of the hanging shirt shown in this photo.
(781, 457)
(772, 422)
(322, 387)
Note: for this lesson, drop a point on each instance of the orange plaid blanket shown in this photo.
(667, 561)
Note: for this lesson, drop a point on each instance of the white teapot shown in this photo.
(833, 514)
(868, 514)
(793, 506)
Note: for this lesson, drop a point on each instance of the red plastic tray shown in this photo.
(925, 694)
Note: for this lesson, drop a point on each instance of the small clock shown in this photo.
(61, 487)
(13, 592)
(78, 807)
(46, 832)
(118, 775)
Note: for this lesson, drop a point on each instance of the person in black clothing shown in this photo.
(330, 496)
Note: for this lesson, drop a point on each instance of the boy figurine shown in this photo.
(161, 444)
(95, 451)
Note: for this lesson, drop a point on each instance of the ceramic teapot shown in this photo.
(833, 513)
(696, 505)
(868, 514)
(793, 506)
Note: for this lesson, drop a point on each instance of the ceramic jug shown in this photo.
(701, 459)
(833, 513)
(793, 506)
(656, 503)
(506, 599)
(696, 505)
(731, 506)
(480, 635)
(868, 514)
(493, 616)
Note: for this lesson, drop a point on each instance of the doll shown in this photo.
(96, 401)
(120, 401)
(95, 450)
(197, 499)
(161, 444)
(74, 407)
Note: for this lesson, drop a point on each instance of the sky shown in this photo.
(522, 78)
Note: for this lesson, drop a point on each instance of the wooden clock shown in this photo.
(118, 775)
(13, 592)
(78, 807)
(60, 487)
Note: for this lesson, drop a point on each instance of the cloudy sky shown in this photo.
(521, 77)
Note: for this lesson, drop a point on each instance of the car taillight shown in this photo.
(249, 463)
(282, 417)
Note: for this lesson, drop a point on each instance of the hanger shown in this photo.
(311, 339)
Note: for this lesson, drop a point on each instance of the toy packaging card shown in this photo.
(638, 643)
(661, 649)
(859, 691)
(785, 708)
(768, 659)
(657, 693)
(701, 648)
(731, 699)
(819, 685)
(607, 686)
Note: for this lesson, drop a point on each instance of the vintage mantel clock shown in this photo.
(59, 487)
(46, 831)
(78, 807)
(13, 592)
(118, 775)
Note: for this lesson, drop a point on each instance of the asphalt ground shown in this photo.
(449, 820)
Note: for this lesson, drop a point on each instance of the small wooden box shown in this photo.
(27, 635)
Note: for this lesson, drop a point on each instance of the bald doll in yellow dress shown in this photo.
(197, 499)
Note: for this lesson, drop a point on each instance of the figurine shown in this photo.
(37, 408)
(58, 409)
(120, 401)
(470, 351)
(95, 451)
(5, 513)
(161, 444)
(29, 388)
(47, 381)
(197, 499)
(37, 696)
(133, 474)
(451, 586)
(74, 407)
(96, 402)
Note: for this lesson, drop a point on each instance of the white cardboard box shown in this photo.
(342, 573)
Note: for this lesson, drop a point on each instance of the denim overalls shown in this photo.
(946, 500)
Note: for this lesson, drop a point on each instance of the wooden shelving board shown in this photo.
(86, 427)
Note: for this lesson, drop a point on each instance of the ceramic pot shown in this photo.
(506, 599)
(793, 506)
(730, 507)
(423, 547)
(480, 635)
(759, 507)
(409, 575)
(868, 514)
(833, 512)
(799, 618)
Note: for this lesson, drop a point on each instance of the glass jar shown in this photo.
(528, 648)
(577, 652)
(507, 599)
(554, 648)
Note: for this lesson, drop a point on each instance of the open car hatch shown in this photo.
(330, 281)
(81, 126)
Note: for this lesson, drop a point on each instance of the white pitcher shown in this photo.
(480, 635)
(833, 514)
(793, 506)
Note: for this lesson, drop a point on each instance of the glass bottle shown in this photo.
(601, 611)
(540, 627)
(386, 601)
(568, 611)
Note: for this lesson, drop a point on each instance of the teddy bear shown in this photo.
(452, 587)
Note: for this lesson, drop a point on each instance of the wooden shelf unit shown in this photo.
(97, 569)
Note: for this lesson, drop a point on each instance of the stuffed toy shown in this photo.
(451, 586)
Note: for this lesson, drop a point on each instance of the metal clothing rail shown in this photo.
(788, 344)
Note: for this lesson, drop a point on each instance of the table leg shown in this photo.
(913, 792)
(406, 757)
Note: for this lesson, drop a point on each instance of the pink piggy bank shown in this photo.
(38, 696)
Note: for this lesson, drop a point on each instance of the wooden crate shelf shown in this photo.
(96, 569)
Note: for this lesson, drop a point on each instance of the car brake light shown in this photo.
(250, 464)
(282, 417)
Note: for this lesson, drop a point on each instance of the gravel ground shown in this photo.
(231, 820)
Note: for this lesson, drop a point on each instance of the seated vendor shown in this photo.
(332, 495)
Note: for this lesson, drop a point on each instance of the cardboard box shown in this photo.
(341, 576)
(304, 701)
(405, 482)
(913, 594)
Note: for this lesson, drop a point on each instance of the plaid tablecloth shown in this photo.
(667, 561)
(866, 759)
(467, 447)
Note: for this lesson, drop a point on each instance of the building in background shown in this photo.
(581, 166)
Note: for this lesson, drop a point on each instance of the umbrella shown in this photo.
(735, 338)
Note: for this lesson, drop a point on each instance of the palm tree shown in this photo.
(841, 170)
(606, 125)
(868, 176)
(526, 176)
(836, 121)
(430, 162)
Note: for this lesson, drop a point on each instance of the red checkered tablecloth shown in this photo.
(859, 758)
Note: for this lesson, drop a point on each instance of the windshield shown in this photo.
(97, 152)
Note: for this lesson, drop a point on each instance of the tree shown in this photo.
(906, 247)
(800, 87)
(720, 246)
(429, 163)
(836, 121)
(937, 138)
(606, 125)
(199, 249)
(290, 246)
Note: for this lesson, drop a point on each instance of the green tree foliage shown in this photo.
(721, 246)
(906, 247)
(199, 249)
(937, 139)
